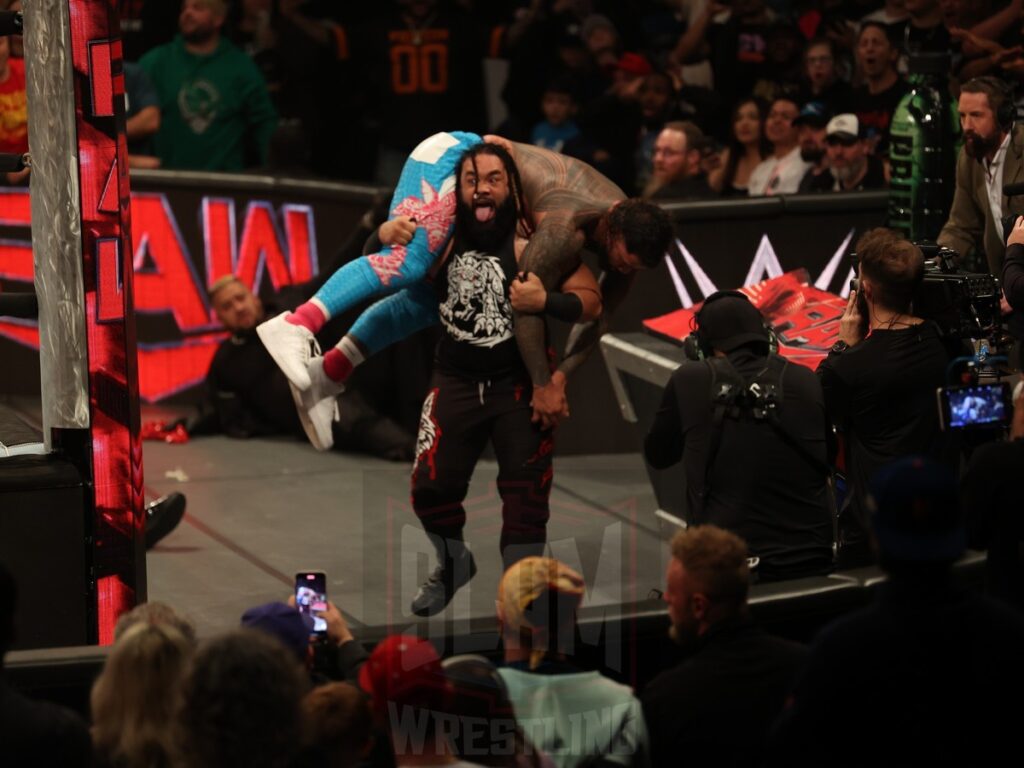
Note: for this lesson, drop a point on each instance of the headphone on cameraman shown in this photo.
(1006, 112)
(697, 347)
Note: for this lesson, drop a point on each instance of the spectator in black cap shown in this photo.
(811, 124)
(930, 673)
(853, 169)
(487, 731)
(754, 457)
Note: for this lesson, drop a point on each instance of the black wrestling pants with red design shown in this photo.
(459, 416)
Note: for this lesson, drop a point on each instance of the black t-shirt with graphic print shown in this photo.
(475, 311)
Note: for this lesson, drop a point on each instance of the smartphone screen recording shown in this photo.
(311, 597)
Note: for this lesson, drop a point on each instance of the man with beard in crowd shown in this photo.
(478, 392)
(811, 124)
(717, 705)
(214, 102)
(675, 171)
(851, 166)
(993, 156)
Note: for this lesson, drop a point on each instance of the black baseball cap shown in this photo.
(814, 114)
(728, 320)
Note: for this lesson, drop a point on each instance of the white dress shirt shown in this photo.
(994, 180)
(778, 175)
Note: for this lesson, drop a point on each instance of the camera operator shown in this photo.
(992, 156)
(880, 378)
(754, 467)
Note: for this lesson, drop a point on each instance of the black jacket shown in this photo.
(717, 707)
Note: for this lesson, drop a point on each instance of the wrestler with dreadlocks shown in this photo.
(480, 388)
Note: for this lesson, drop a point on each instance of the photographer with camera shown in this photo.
(751, 432)
(992, 156)
(880, 377)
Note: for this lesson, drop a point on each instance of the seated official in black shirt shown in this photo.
(880, 377)
(248, 395)
(757, 471)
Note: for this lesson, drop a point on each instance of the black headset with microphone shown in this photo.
(697, 347)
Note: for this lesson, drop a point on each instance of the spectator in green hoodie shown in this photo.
(217, 114)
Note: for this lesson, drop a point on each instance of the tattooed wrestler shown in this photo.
(479, 390)
(572, 207)
(568, 207)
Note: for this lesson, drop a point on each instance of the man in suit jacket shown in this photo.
(992, 156)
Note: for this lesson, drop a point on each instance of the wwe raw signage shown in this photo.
(266, 246)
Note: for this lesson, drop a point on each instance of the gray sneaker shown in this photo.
(438, 590)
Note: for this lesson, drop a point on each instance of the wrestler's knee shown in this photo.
(433, 499)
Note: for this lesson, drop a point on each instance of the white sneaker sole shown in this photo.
(322, 442)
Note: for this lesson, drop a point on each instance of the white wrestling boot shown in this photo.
(318, 405)
(292, 347)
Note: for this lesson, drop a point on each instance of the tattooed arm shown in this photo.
(554, 246)
(563, 196)
(584, 336)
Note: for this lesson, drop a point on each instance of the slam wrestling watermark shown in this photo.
(599, 541)
(610, 731)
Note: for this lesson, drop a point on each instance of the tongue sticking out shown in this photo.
(484, 212)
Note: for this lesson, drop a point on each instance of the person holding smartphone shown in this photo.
(319, 637)
(881, 375)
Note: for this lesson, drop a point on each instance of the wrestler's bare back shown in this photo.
(557, 184)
